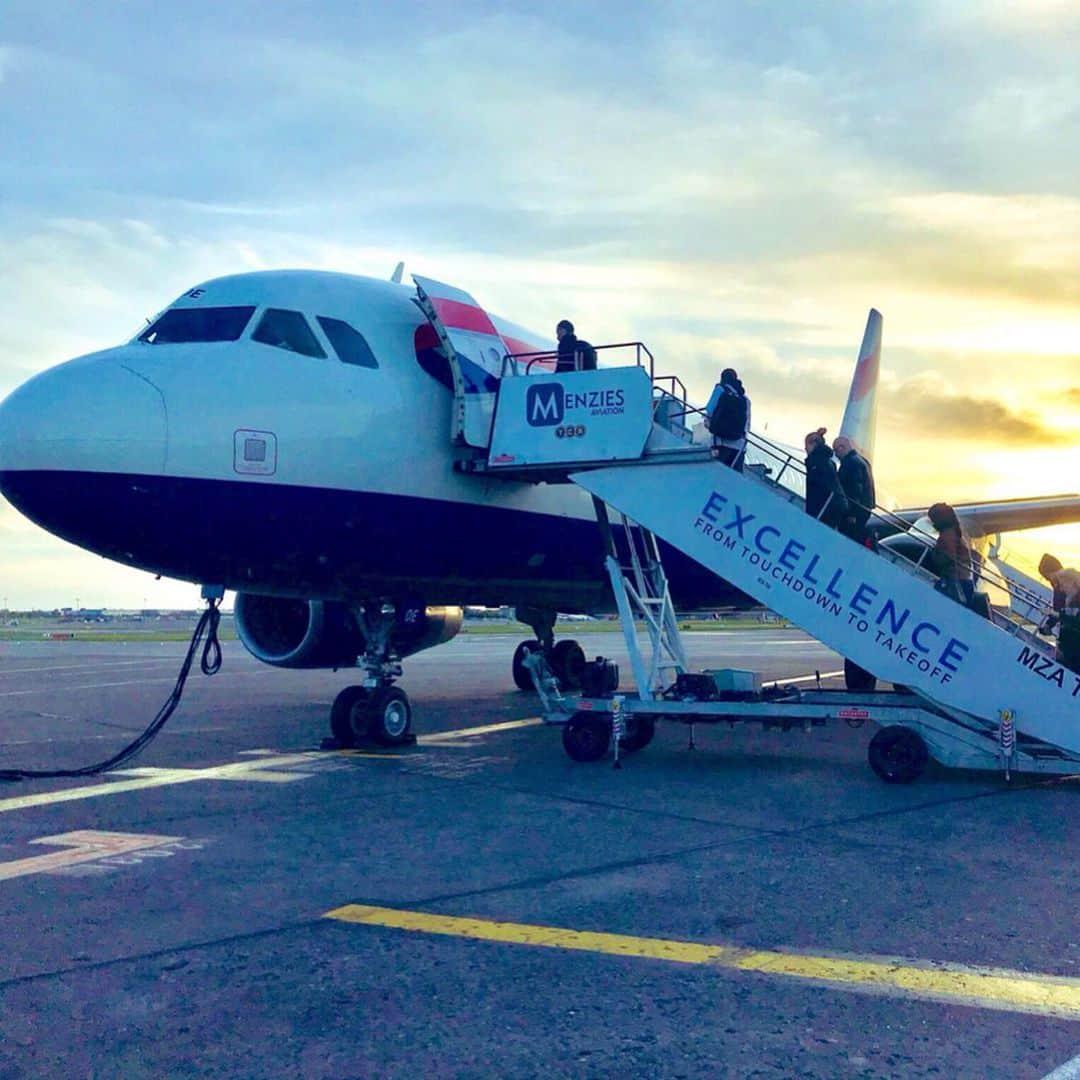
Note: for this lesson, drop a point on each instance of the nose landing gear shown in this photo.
(376, 710)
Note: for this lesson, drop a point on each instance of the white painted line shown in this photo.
(1069, 1071)
(103, 686)
(89, 667)
(83, 846)
(467, 733)
(239, 770)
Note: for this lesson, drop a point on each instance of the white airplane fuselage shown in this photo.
(243, 464)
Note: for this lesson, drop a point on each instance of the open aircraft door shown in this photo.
(474, 350)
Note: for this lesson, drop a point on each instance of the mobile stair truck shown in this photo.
(977, 690)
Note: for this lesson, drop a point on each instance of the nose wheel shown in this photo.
(383, 715)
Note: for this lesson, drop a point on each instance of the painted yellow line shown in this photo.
(485, 729)
(987, 988)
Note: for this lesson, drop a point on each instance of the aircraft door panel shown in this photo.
(473, 350)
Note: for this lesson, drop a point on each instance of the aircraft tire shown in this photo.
(522, 678)
(857, 678)
(568, 663)
(897, 754)
(639, 733)
(389, 717)
(586, 736)
(348, 715)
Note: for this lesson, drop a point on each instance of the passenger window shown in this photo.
(348, 343)
(287, 330)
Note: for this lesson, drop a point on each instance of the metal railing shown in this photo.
(1023, 602)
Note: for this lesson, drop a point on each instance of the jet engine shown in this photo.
(291, 633)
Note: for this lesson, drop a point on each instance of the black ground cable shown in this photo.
(209, 664)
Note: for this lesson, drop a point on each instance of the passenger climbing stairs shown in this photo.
(624, 437)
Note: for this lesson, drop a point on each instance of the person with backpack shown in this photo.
(575, 354)
(728, 421)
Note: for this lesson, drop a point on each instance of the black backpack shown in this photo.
(728, 420)
(587, 353)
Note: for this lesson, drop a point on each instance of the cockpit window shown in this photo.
(197, 324)
(348, 343)
(287, 330)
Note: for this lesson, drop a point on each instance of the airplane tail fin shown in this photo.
(395, 277)
(860, 414)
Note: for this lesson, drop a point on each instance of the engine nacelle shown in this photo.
(324, 634)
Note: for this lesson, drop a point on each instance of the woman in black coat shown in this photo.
(822, 481)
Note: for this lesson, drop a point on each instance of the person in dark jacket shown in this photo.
(731, 447)
(825, 498)
(857, 482)
(952, 555)
(575, 354)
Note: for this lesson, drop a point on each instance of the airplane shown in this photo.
(298, 437)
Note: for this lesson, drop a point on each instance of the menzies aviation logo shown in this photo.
(545, 404)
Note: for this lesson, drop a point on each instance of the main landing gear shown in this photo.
(376, 710)
(566, 658)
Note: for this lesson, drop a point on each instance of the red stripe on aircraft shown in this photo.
(459, 316)
(866, 375)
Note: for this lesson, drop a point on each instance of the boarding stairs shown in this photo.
(625, 437)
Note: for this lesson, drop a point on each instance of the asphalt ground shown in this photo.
(237, 903)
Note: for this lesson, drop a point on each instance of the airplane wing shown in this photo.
(1007, 515)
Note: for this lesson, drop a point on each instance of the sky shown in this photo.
(734, 184)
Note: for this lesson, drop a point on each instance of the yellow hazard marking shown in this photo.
(83, 846)
(987, 988)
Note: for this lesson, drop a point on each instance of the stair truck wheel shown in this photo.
(522, 678)
(639, 732)
(586, 736)
(389, 717)
(568, 663)
(348, 715)
(857, 678)
(897, 754)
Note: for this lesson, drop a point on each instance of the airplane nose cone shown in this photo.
(88, 415)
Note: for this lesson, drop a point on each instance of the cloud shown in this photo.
(920, 407)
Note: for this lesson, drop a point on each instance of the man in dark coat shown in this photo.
(857, 482)
(575, 354)
(825, 498)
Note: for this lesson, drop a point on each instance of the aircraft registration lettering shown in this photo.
(885, 620)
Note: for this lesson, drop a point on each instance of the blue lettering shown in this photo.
(918, 631)
(716, 502)
(760, 533)
(889, 610)
(955, 650)
(790, 556)
(740, 520)
(809, 571)
(830, 587)
(863, 595)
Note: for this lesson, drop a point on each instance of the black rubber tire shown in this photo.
(587, 736)
(857, 678)
(348, 715)
(389, 717)
(522, 678)
(638, 733)
(568, 662)
(897, 754)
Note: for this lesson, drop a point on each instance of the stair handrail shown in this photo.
(1038, 609)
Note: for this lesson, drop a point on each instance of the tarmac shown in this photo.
(237, 902)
